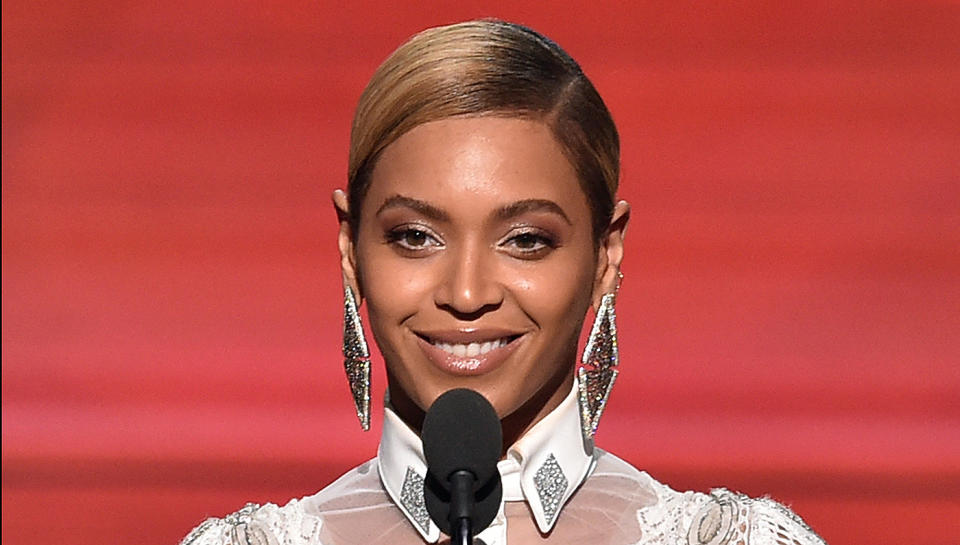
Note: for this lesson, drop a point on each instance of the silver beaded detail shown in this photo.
(411, 496)
(551, 484)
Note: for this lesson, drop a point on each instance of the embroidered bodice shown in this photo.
(617, 505)
(556, 488)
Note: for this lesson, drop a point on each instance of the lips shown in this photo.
(468, 352)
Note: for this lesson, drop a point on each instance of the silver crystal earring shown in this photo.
(356, 357)
(600, 358)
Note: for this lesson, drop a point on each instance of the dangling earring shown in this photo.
(602, 355)
(356, 357)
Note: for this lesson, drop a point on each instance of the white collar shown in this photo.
(543, 468)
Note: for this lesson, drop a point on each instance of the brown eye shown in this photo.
(412, 238)
(529, 244)
(527, 241)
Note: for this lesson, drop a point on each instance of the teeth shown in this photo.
(472, 349)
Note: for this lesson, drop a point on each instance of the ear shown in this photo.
(610, 254)
(348, 254)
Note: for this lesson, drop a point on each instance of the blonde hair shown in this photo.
(487, 67)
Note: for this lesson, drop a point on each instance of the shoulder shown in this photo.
(299, 522)
(721, 517)
(729, 517)
(266, 524)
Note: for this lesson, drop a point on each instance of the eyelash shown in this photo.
(397, 237)
(542, 242)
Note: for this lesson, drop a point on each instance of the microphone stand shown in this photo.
(464, 533)
(461, 507)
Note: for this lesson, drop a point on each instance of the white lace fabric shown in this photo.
(615, 505)
(557, 489)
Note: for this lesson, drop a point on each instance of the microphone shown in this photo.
(462, 441)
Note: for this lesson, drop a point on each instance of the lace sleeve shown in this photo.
(259, 525)
(719, 518)
(728, 518)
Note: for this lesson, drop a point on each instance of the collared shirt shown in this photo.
(543, 468)
(556, 488)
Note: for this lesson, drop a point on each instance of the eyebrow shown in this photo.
(503, 213)
(399, 201)
(531, 205)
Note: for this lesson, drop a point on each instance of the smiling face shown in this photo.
(476, 258)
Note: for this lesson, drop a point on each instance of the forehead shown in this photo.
(478, 161)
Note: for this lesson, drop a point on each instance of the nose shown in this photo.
(469, 287)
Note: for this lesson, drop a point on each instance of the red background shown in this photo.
(171, 307)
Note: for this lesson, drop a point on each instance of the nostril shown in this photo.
(470, 315)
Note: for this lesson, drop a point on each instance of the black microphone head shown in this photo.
(461, 432)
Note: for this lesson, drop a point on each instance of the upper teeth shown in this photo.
(470, 349)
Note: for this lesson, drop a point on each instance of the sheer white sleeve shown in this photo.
(259, 525)
(720, 518)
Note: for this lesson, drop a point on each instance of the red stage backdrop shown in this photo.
(171, 297)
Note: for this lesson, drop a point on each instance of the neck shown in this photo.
(515, 424)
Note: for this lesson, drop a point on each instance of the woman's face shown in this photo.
(476, 261)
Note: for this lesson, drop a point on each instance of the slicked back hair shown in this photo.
(487, 67)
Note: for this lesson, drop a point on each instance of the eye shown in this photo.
(528, 241)
(412, 238)
(529, 244)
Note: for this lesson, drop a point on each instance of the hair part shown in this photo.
(487, 67)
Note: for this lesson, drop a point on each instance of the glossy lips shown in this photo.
(468, 353)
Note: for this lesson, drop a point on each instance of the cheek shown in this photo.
(393, 288)
(556, 295)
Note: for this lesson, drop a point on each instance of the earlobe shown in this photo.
(348, 260)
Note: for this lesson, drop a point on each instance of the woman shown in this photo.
(479, 226)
